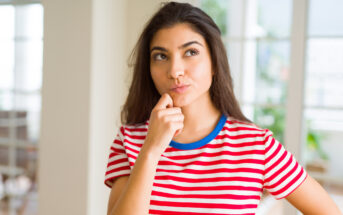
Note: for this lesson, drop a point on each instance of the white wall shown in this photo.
(106, 93)
(86, 47)
(64, 141)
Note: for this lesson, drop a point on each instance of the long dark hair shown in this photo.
(143, 95)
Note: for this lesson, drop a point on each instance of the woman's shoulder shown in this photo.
(241, 126)
(128, 129)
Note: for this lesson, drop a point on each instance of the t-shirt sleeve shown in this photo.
(118, 162)
(283, 174)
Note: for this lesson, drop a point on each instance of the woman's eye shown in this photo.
(159, 56)
(192, 52)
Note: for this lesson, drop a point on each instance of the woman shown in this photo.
(185, 147)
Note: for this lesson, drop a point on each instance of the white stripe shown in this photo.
(136, 133)
(209, 184)
(211, 175)
(138, 141)
(203, 158)
(214, 150)
(206, 200)
(278, 167)
(241, 132)
(114, 174)
(205, 192)
(129, 152)
(230, 133)
(291, 188)
(136, 126)
(212, 167)
(132, 146)
(271, 151)
(288, 179)
(116, 157)
(241, 140)
(117, 145)
(214, 158)
(118, 165)
(214, 141)
(203, 210)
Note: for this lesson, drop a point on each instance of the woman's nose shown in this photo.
(176, 68)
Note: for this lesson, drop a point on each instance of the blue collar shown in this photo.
(204, 141)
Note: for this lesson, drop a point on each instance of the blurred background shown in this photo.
(64, 76)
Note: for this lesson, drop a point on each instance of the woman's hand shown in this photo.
(165, 122)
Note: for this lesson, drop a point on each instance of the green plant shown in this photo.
(313, 143)
(275, 120)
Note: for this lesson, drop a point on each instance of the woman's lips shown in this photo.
(180, 89)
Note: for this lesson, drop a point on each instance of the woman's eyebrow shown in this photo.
(180, 47)
(189, 43)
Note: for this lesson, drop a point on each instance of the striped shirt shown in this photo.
(224, 173)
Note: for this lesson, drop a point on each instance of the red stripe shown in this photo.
(119, 142)
(118, 169)
(216, 179)
(122, 160)
(136, 129)
(113, 154)
(116, 150)
(234, 145)
(270, 144)
(133, 143)
(137, 137)
(295, 179)
(204, 154)
(197, 188)
(291, 172)
(159, 212)
(235, 121)
(240, 128)
(132, 156)
(132, 150)
(275, 153)
(210, 171)
(282, 169)
(239, 136)
(215, 154)
(276, 163)
(221, 145)
(202, 205)
(122, 130)
(210, 163)
(206, 196)
(296, 186)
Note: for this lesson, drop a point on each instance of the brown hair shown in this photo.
(143, 95)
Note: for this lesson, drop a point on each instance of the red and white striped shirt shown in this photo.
(224, 173)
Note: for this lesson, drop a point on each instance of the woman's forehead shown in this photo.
(176, 35)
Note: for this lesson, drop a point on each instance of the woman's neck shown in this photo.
(201, 117)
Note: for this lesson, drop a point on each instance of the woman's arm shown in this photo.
(165, 122)
(135, 195)
(117, 188)
(311, 199)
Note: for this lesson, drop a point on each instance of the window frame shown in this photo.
(12, 143)
(295, 132)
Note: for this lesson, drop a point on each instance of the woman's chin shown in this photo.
(180, 102)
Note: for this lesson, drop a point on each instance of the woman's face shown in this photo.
(179, 56)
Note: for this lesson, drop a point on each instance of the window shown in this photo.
(257, 34)
(323, 105)
(21, 49)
